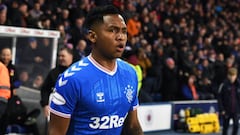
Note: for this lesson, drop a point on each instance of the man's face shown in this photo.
(111, 36)
(3, 16)
(64, 58)
(232, 78)
(6, 55)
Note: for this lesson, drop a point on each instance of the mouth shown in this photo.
(120, 48)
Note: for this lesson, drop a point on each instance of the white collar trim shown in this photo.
(100, 67)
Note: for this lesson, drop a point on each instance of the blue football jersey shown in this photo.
(97, 100)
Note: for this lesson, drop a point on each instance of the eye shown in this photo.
(113, 30)
(124, 31)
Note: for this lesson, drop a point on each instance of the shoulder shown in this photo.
(11, 66)
(1, 64)
(226, 82)
(185, 86)
(3, 67)
(223, 85)
(238, 80)
(124, 65)
(238, 83)
(54, 73)
(75, 76)
(76, 69)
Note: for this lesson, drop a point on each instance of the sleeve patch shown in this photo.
(58, 99)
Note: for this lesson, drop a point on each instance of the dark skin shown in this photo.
(109, 39)
(132, 125)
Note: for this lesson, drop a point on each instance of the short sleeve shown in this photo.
(64, 97)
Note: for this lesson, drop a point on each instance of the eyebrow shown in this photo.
(117, 27)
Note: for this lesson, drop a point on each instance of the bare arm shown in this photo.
(132, 125)
(58, 125)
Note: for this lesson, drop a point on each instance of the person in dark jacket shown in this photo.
(229, 100)
(170, 83)
(65, 59)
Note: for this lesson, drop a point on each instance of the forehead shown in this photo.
(114, 19)
(6, 50)
(64, 52)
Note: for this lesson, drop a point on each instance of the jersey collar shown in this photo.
(100, 67)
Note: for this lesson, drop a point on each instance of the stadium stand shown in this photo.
(195, 34)
(202, 37)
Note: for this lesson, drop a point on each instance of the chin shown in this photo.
(118, 56)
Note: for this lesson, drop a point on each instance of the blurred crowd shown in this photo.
(184, 47)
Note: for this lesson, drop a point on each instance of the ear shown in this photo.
(92, 36)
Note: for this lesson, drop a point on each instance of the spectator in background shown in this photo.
(35, 13)
(44, 23)
(64, 36)
(188, 63)
(77, 31)
(184, 57)
(32, 57)
(220, 71)
(155, 74)
(45, 52)
(25, 78)
(144, 95)
(14, 15)
(207, 69)
(37, 82)
(3, 15)
(148, 30)
(6, 58)
(170, 84)
(65, 59)
(30, 52)
(221, 68)
(77, 11)
(79, 51)
(205, 90)
(144, 61)
(134, 26)
(24, 20)
(229, 101)
(4, 93)
(64, 17)
(189, 89)
(198, 72)
(4, 84)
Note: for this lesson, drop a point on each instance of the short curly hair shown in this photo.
(95, 16)
(232, 71)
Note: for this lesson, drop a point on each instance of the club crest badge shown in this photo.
(129, 93)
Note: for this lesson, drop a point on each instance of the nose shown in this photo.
(121, 36)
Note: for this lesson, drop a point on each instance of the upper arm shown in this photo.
(58, 125)
(132, 125)
(132, 119)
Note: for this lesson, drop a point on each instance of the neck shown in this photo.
(6, 64)
(109, 64)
